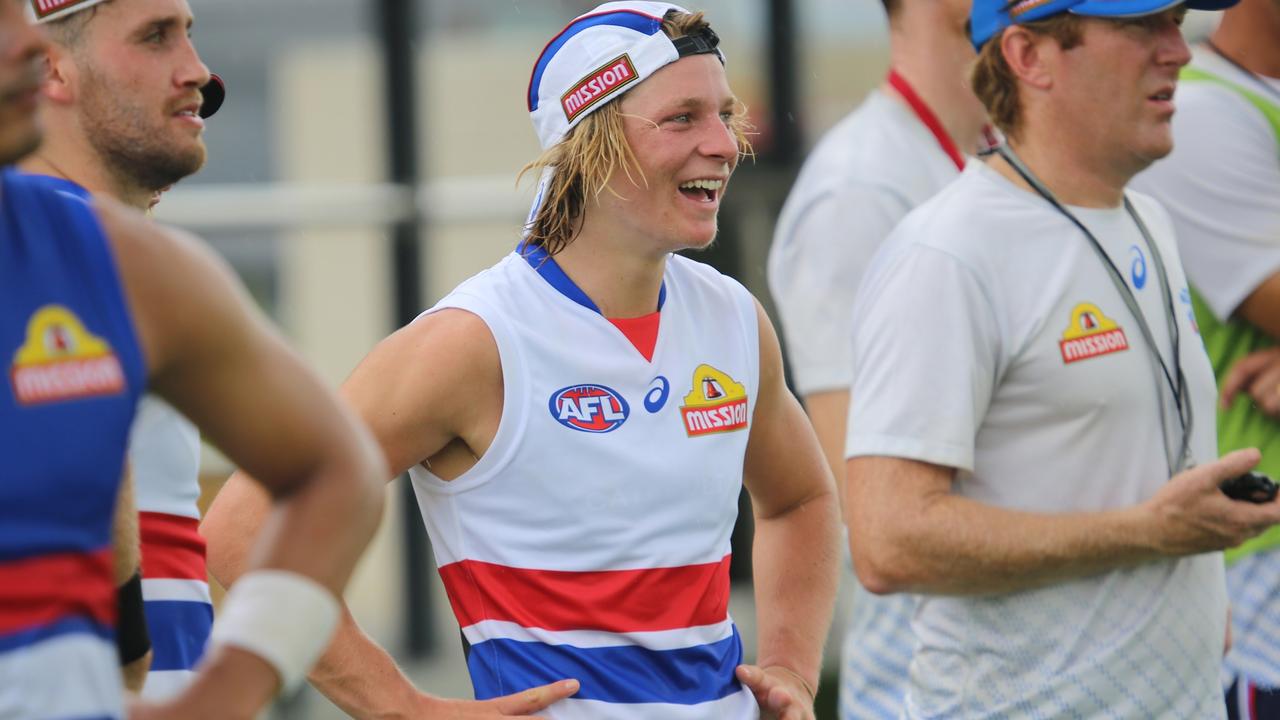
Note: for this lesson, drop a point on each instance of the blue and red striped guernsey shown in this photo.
(73, 374)
(164, 454)
(591, 541)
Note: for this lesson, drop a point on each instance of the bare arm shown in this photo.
(910, 533)
(1258, 373)
(127, 555)
(405, 389)
(829, 413)
(796, 544)
(214, 358)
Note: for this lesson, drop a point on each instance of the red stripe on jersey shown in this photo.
(608, 600)
(641, 331)
(172, 547)
(41, 590)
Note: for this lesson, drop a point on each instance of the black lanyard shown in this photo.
(1255, 77)
(1174, 378)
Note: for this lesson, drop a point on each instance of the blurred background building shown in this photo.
(365, 162)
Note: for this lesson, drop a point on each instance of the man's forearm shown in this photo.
(796, 574)
(958, 546)
(361, 678)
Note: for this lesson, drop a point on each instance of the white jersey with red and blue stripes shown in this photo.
(164, 453)
(591, 540)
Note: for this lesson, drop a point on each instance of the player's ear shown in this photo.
(60, 74)
(1030, 56)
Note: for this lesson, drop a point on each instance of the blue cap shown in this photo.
(989, 17)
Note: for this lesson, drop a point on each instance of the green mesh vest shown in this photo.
(1241, 425)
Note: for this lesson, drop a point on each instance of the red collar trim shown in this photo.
(926, 116)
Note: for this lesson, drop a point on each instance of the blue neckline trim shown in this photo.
(631, 19)
(550, 270)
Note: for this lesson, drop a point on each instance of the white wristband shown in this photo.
(282, 617)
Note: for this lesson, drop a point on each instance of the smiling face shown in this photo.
(21, 48)
(1118, 85)
(138, 80)
(678, 125)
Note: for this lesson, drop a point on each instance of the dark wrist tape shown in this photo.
(132, 639)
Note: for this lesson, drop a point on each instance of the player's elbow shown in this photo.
(880, 568)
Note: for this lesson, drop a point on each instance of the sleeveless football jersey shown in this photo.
(164, 453)
(74, 372)
(164, 457)
(591, 540)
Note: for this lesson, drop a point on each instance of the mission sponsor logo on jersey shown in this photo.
(1091, 334)
(61, 360)
(717, 403)
(598, 85)
(589, 408)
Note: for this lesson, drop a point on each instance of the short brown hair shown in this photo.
(585, 160)
(994, 82)
(68, 31)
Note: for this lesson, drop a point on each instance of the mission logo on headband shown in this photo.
(615, 74)
(716, 404)
(1091, 334)
(62, 360)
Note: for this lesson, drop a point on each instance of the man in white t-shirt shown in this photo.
(1222, 186)
(1033, 396)
(906, 141)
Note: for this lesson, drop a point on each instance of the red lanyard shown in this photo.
(922, 111)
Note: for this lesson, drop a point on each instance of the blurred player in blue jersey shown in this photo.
(96, 306)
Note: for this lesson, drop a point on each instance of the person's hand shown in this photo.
(1257, 374)
(520, 705)
(427, 707)
(780, 692)
(1191, 515)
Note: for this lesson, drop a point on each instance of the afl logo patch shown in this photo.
(589, 408)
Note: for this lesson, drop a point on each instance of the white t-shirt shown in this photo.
(1233, 151)
(863, 177)
(989, 337)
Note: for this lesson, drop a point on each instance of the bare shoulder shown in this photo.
(456, 343)
(173, 282)
(435, 380)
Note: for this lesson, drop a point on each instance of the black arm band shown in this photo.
(132, 639)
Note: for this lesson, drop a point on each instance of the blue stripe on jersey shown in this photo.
(72, 625)
(551, 271)
(179, 631)
(620, 674)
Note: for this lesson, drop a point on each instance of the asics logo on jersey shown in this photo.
(61, 360)
(589, 408)
(716, 403)
(601, 83)
(1138, 270)
(1090, 334)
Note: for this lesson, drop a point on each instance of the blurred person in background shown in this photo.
(1222, 188)
(96, 305)
(908, 139)
(1032, 446)
(123, 116)
(579, 420)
